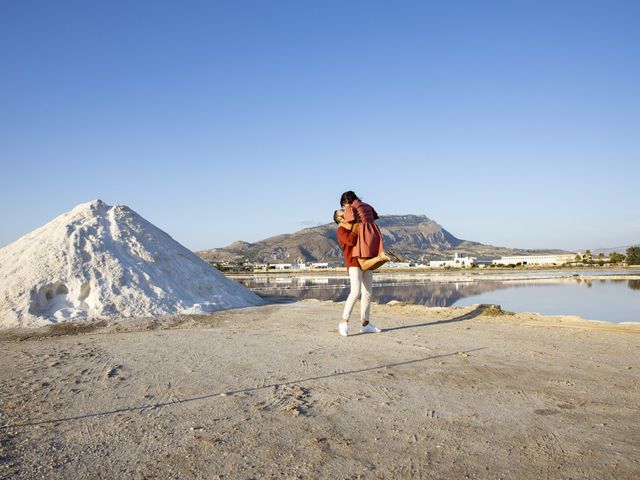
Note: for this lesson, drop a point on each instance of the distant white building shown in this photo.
(320, 265)
(535, 259)
(398, 265)
(281, 266)
(457, 261)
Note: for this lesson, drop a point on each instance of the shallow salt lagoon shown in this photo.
(608, 300)
(551, 293)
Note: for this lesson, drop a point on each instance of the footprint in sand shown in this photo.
(114, 372)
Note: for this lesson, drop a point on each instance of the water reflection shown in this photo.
(385, 289)
(601, 299)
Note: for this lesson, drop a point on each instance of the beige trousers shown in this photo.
(361, 286)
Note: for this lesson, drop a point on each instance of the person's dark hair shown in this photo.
(348, 197)
(335, 217)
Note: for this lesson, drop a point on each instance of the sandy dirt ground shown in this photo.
(275, 392)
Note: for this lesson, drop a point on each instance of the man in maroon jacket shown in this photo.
(361, 279)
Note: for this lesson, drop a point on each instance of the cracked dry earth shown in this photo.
(275, 392)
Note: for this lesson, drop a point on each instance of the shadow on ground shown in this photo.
(467, 316)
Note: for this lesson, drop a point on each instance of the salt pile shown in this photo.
(103, 261)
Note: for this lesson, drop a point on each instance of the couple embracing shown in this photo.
(361, 243)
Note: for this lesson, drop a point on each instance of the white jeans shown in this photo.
(361, 285)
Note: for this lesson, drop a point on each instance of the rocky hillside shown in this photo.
(415, 237)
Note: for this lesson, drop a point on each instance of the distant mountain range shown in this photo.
(608, 251)
(415, 237)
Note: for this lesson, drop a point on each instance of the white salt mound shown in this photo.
(102, 261)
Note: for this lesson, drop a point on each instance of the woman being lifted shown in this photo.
(362, 217)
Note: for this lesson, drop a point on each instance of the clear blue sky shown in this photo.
(510, 123)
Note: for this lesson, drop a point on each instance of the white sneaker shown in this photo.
(343, 328)
(370, 328)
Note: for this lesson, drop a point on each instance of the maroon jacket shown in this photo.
(369, 236)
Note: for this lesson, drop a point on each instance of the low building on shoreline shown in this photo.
(281, 266)
(264, 267)
(536, 259)
(457, 262)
